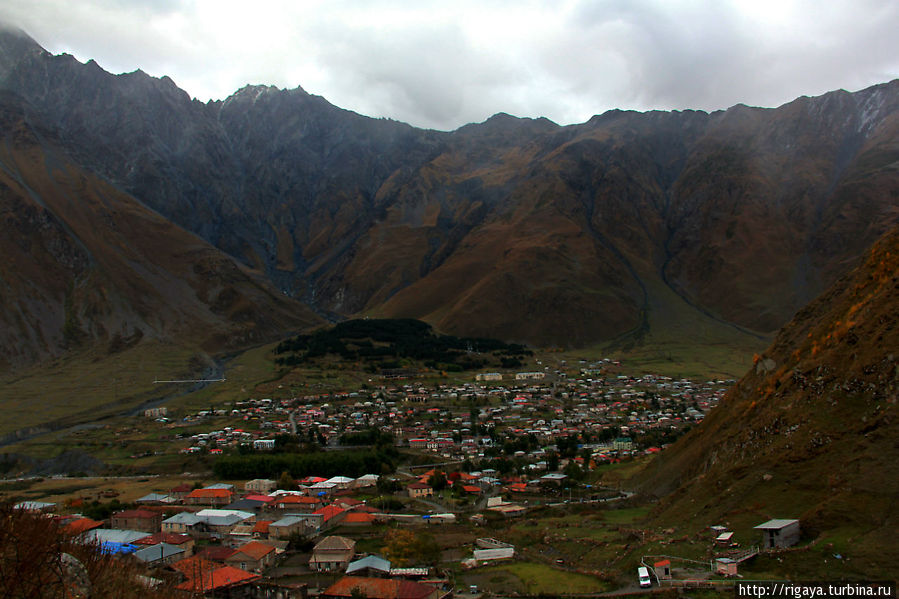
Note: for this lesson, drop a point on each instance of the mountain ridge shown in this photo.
(514, 228)
(87, 264)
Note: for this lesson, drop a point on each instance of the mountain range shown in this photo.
(136, 211)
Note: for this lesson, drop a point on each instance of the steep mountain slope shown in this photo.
(516, 228)
(84, 264)
(811, 431)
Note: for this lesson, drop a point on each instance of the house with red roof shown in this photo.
(252, 557)
(218, 581)
(517, 488)
(420, 489)
(331, 516)
(347, 503)
(311, 480)
(297, 503)
(359, 519)
(463, 476)
(193, 567)
(82, 525)
(380, 588)
(209, 497)
(260, 529)
(266, 499)
(185, 542)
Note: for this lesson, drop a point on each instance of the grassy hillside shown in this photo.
(91, 385)
(808, 433)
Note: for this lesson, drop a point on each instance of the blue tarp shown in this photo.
(113, 548)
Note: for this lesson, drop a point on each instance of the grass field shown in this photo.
(533, 579)
(59, 490)
(90, 386)
(681, 341)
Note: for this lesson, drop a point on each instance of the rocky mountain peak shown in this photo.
(15, 46)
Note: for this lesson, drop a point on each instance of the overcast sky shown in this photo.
(444, 64)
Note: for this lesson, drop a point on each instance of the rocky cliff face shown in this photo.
(86, 265)
(515, 228)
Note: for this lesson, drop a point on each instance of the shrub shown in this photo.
(34, 563)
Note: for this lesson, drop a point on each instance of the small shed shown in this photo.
(726, 566)
(724, 538)
(662, 569)
(779, 533)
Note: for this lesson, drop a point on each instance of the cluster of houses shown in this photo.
(620, 415)
(776, 534)
(218, 540)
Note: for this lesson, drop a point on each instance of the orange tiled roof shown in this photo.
(82, 525)
(192, 567)
(379, 588)
(254, 549)
(206, 493)
(219, 578)
(358, 518)
(329, 511)
(296, 499)
(257, 497)
(262, 526)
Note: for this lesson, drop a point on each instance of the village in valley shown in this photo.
(491, 485)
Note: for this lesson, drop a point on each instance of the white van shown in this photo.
(643, 577)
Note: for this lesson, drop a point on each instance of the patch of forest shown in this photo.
(394, 342)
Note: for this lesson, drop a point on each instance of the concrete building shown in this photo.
(779, 533)
(416, 490)
(332, 554)
(260, 485)
(143, 520)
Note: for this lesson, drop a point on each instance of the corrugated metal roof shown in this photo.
(155, 552)
(776, 524)
(491, 554)
(372, 561)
